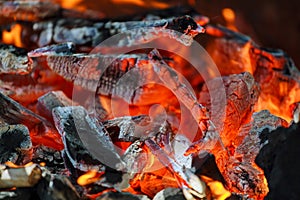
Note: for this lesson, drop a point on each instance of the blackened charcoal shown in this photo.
(122, 196)
(28, 10)
(141, 127)
(279, 158)
(90, 33)
(123, 128)
(15, 144)
(87, 144)
(51, 157)
(271, 68)
(14, 60)
(240, 171)
(51, 100)
(63, 48)
(19, 194)
(42, 131)
(12, 112)
(56, 187)
(169, 193)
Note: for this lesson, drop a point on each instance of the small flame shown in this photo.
(217, 189)
(13, 36)
(89, 177)
(229, 16)
(74, 4)
(141, 3)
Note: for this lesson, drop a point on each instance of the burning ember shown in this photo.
(139, 108)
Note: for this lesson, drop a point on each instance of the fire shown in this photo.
(229, 16)
(74, 4)
(13, 36)
(141, 3)
(218, 191)
(88, 178)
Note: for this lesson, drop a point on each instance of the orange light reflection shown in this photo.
(13, 36)
(217, 189)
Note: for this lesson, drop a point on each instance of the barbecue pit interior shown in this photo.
(146, 100)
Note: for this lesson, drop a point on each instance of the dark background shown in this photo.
(271, 23)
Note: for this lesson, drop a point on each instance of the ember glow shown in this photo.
(229, 17)
(13, 36)
(88, 178)
(219, 192)
(98, 136)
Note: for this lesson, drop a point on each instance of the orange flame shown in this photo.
(13, 36)
(74, 4)
(141, 3)
(89, 177)
(217, 189)
(229, 16)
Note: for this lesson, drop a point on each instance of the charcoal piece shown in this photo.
(123, 128)
(234, 53)
(240, 171)
(87, 144)
(14, 60)
(51, 157)
(90, 33)
(26, 176)
(63, 48)
(28, 10)
(92, 103)
(135, 157)
(279, 160)
(230, 48)
(187, 180)
(121, 196)
(241, 94)
(122, 76)
(41, 131)
(15, 144)
(56, 187)
(169, 193)
(51, 100)
(18, 194)
(170, 78)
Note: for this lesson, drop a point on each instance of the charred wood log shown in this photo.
(56, 187)
(50, 157)
(28, 10)
(14, 60)
(26, 176)
(122, 76)
(241, 94)
(272, 68)
(41, 131)
(51, 100)
(15, 144)
(90, 33)
(240, 171)
(87, 144)
(32, 11)
(279, 159)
